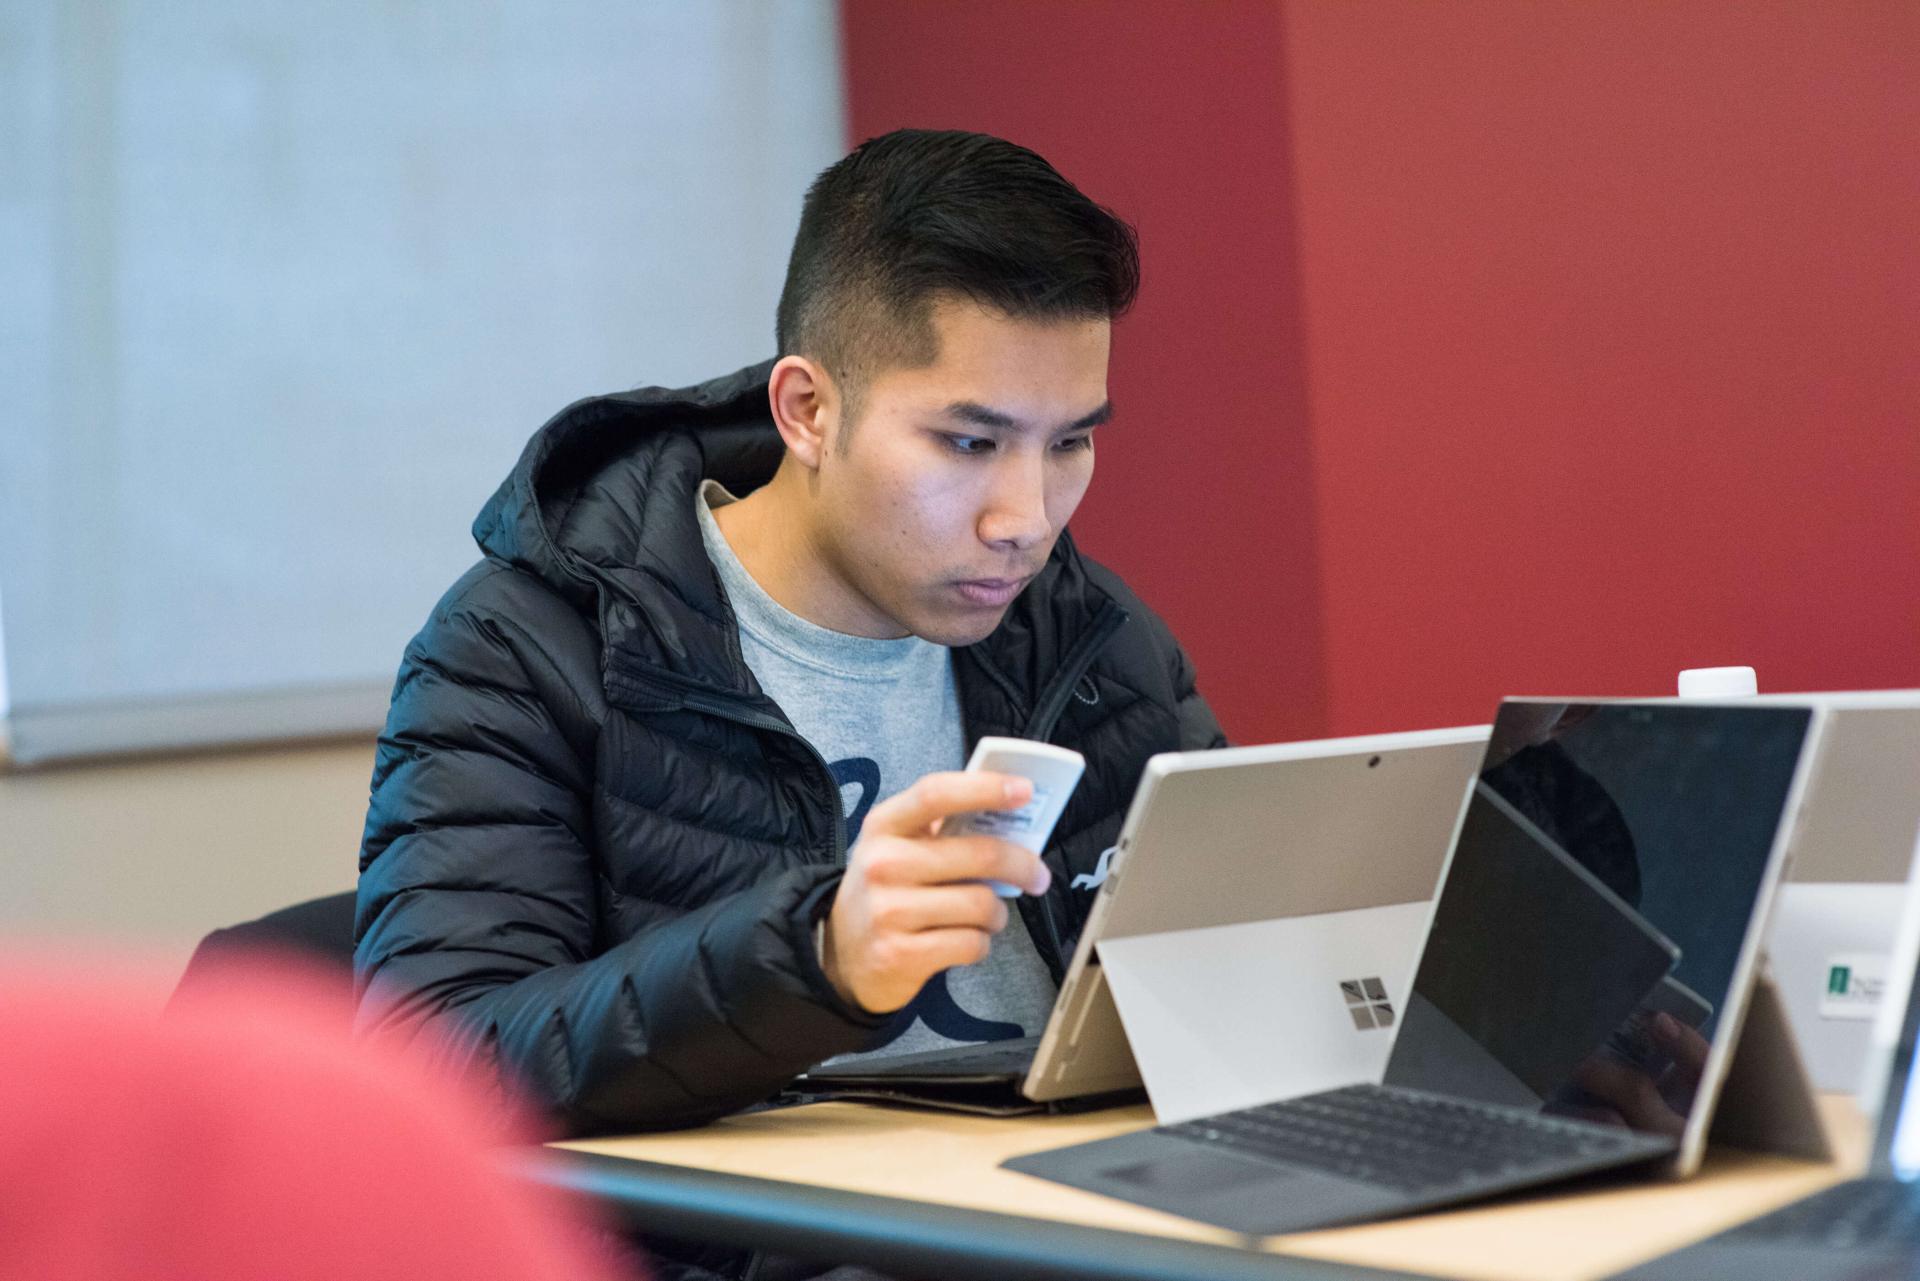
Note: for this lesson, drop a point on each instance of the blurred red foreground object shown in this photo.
(244, 1136)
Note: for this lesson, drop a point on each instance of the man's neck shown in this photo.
(770, 532)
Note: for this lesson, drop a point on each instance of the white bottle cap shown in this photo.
(1718, 682)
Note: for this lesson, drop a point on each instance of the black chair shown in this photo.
(317, 933)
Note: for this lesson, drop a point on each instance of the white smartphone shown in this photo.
(1054, 773)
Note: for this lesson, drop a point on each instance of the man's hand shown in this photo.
(911, 903)
(1655, 1106)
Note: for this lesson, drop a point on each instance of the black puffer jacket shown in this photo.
(598, 848)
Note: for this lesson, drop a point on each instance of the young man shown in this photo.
(655, 818)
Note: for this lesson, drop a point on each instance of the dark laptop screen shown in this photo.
(1595, 908)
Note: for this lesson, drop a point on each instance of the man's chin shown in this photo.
(958, 632)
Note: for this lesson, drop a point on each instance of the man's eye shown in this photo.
(968, 444)
(1072, 443)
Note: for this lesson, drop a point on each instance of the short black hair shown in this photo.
(915, 214)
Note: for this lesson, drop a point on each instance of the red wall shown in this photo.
(1613, 345)
(1485, 348)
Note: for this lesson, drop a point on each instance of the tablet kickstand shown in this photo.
(1767, 1102)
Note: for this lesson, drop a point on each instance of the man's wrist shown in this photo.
(823, 952)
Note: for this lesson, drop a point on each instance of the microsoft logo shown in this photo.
(1367, 1003)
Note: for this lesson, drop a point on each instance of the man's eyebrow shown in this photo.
(972, 411)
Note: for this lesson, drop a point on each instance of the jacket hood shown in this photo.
(600, 509)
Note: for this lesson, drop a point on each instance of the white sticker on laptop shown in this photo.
(1855, 982)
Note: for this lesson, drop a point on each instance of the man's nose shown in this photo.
(1016, 510)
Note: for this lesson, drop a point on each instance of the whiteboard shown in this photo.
(289, 285)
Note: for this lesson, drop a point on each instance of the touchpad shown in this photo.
(1222, 1188)
(1196, 1174)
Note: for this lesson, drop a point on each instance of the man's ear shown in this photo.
(806, 407)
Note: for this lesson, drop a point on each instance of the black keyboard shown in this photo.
(993, 1056)
(1862, 1212)
(1404, 1140)
(1010, 1058)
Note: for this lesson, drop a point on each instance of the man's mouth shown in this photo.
(991, 591)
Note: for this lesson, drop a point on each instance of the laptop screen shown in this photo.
(1596, 906)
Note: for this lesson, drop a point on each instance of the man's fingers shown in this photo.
(1688, 1048)
(931, 951)
(937, 796)
(945, 859)
(932, 907)
(913, 901)
(1630, 1093)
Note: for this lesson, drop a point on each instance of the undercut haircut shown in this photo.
(916, 215)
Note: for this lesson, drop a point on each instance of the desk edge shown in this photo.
(809, 1221)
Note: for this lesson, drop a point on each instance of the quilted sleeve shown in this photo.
(476, 913)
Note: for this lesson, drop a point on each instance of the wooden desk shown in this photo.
(906, 1189)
